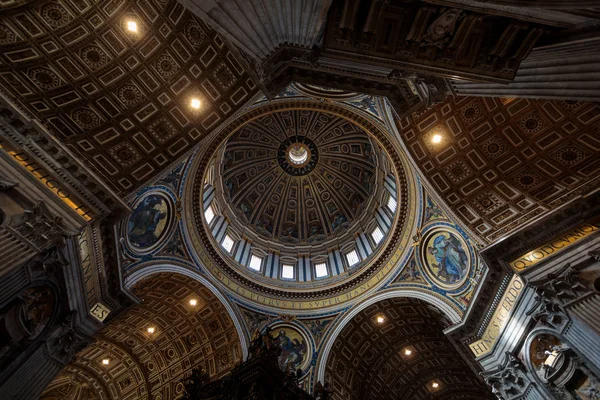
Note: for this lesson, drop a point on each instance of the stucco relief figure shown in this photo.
(441, 30)
(37, 309)
(148, 221)
(450, 256)
(26, 318)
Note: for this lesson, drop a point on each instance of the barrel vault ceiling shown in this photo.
(151, 366)
(504, 162)
(368, 359)
(118, 100)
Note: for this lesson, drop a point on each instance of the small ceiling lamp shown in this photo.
(435, 384)
(380, 319)
(105, 361)
(437, 138)
(151, 329)
(407, 352)
(195, 103)
(132, 26)
(193, 302)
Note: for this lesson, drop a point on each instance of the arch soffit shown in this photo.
(147, 271)
(339, 326)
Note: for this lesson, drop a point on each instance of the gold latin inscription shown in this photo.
(42, 175)
(100, 312)
(87, 266)
(533, 257)
(489, 338)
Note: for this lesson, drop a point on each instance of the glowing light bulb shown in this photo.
(151, 329)
(436, 138)
(195, 103)
(132, 26)
(380, 319)
(105, 361)
(435, 385)
(407, 352)
(193, 302)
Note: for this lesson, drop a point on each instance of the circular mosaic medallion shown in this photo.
(298, 155)
(445, 257)
(296, 349)
(149, 222)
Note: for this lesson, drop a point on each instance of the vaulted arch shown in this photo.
(143, 364)
(368, 358)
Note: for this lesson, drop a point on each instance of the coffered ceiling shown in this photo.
(294, 204)
(503, 162)
(368, 359)
(146, 365)
(120, 100)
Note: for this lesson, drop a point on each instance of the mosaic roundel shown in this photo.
(149, 221)
(445, 257)
(296, 349)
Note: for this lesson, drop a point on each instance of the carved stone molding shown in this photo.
(565, 286)
(67, 340)
(548, 311)
(555, 294)
(510, 381)
(39, 228)
(5, 184)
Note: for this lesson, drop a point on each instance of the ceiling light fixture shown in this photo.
(380, 319)
(407, 352)
(435, 385)
(437, 138)
(151, 329)
(193, 302)
(195, 103)
(105, 361)
(132, 26)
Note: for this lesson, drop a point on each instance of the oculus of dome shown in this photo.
(303, 300)
(298, 155)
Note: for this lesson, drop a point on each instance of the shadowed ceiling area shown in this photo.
(503, 162)
(119, 99)
(145, 365)
(368, 359)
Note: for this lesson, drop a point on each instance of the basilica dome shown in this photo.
(299, 176)
(301, 203)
